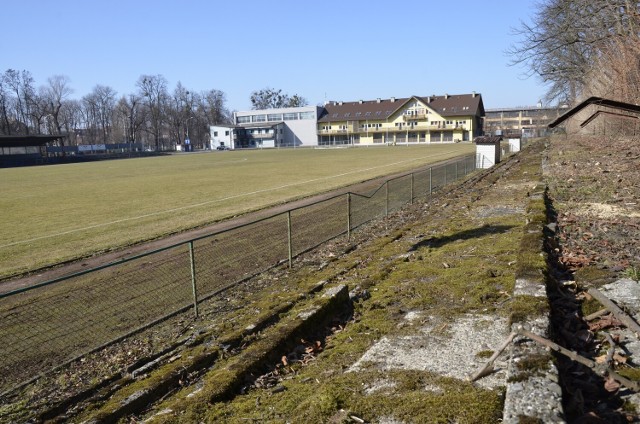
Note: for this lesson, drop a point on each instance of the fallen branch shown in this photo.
(489, 366)
(602, 370)
(595, 315)
(611, 351)
(615, 310)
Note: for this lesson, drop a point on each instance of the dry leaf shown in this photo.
(284, 360)
(619, 358)
(604, 322)
(601, 359)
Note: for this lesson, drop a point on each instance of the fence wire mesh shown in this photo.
(315, 224)
(239, 253)
(48, 325)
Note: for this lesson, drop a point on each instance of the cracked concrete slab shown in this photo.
(450, 350)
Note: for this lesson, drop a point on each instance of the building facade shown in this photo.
(526, 121)
(431, 119)
(221, 136)
(284, 127)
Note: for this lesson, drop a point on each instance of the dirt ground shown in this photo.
(594, 186)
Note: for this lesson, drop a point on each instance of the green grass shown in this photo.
(56, 213)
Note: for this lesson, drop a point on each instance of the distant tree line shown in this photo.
(152, 115)
(583, 48)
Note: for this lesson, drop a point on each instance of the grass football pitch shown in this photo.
(61, 212)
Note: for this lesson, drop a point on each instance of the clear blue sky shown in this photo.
(321, 50)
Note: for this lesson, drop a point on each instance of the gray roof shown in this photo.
(628, 107)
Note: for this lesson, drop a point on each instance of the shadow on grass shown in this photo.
(436, 242)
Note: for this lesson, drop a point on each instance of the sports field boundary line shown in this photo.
(208, 202)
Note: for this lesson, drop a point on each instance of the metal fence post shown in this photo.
(348, 215)
(465, 166)
(456, 178)
(430, 180)
(289, 239)
(411, 188)
(445, 174)
(193, 278)
(386, 202)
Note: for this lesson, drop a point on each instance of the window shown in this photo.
(335, 115)
(226, 133)
(258, 118)
(346, 115)
(358, 114)
(274, 117)
(215, 133)
(290, 116)
(367, 114)
(244, 119)
(307, 115)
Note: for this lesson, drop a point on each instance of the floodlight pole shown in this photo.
(189, 118)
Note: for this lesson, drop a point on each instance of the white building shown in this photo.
(284, 127)
(221, 136)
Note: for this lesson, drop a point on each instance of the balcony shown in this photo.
(414, 117)
(422, 126)
(334, 131)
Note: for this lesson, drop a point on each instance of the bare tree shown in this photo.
(99, 117)
(20, 84)
(99, 106)
(153, 89)
(213, 106)
(568, 37)
(130, 108)
(5, 106)
(269, 98)
(57, 92)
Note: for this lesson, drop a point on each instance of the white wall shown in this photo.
(514, 145)
(302, 132)
(487, 155)
(223, 136)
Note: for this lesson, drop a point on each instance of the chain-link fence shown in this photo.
(52, 323)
